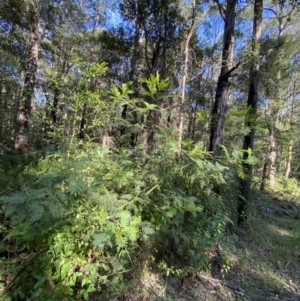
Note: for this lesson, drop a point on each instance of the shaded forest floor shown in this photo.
(262, 265)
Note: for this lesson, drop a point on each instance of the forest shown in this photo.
(149, 150)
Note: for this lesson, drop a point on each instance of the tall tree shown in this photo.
(221, 97)
(185, 46)
(252, 102)
(282, 13)
(38, 20)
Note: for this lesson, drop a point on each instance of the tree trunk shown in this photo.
(82, 122)
(290, 147)
(221, 98)
(23, 117)
(133, 78)
(289, 160)
(186, 45)
(53, 113)
(264, 177)
(192, 122)
(272, 156)
(245, 183)
(272, 131)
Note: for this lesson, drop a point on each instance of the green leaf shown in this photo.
(65, 267)
(101, 240)
(76, 186)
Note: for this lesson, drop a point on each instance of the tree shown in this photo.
(253, 97)
(38, 20)
(221, 98)
(186, 43)
(156, 28)
(278, 50)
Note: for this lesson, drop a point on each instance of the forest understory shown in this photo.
(263, 263)
(258, 261)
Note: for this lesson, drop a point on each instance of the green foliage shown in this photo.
(154, 84)
(86, 218)
(287, 186)
(84, 215)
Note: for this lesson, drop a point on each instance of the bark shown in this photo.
(82, 122)
(272, 130)
(289, 160)
(221, 97)
(290, 147)
(272, 157)
(252, 102)
(23, 117)
(133, 78)
(186, 45)
(264, 177)
(53, 113)
(192, 122)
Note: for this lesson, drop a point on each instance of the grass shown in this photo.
(266, 258)
(264, 261)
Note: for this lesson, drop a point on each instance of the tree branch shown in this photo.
(221, 10)
(228, 73)
(271, 10)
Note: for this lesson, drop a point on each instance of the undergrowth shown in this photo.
(84, 219)
(79, 221)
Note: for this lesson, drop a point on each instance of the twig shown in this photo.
(200, 279)
(235, 290)
(287, 264)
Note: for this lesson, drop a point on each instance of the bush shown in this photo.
(81, 220)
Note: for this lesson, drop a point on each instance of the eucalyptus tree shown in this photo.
(278, 47)
(38, 18)
(253, 97)
(221, 97)
(192, 16)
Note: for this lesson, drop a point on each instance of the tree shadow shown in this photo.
(267, 257)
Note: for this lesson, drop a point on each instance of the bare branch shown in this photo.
(228, 73)
(271, 10)
(221, 9)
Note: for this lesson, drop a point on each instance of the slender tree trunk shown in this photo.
(272, 131)
(133, 78)
(186, 45)
(221, 98)
(290, 147)
(272, 156)
(192, 122)
(82, 122)
(53, 113)
(245, 183)
(264, 177)
(23, 117)
(289, 160)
